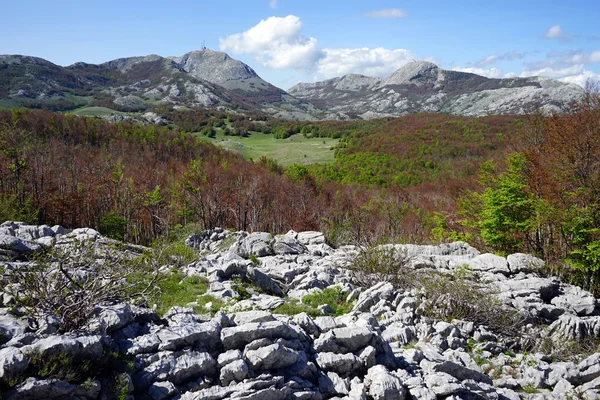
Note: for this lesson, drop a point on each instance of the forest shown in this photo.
(505, 184)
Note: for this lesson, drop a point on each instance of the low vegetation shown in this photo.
(443, 296)
(70, 283)
(80, 369)
(175, 289)
(331, 296)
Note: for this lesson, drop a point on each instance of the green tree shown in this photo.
(504, 213)
(113, 225)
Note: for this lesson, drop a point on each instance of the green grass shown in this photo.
(177, 291)
(294, 307)
(332, 296)
(215, 304)
(294, 150)
(95, 111)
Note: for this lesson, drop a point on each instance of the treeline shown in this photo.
(204, 119)
(419, 149)
(138, 182)
(545, 197)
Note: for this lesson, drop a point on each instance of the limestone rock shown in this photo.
(380, 384)
(271, 357)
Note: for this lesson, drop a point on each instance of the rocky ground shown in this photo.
(384, 348)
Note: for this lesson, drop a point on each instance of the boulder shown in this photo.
(274, 356)
(162, 390)
(490, 263)
(12, 362)
(51, 389)
(525, 263)
(455, 370)
(443, 384)
(178, 337)
(235, 371)
(89, 346)
(263, 281)
(288, 244)
(239, 336)
(108, 319)
(17, 245)
(342, 364)
(344, 340)
(575, 300)
(245, 317)
(257, 244)
(380, 384)
(372, 296)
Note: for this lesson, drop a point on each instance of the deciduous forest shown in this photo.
(509, 183)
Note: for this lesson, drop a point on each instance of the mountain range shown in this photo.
(209, 78)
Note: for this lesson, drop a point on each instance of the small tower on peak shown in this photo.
(203, 46)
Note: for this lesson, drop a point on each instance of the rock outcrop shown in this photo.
(421, 86)
(384, 348)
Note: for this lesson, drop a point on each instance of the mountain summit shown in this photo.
(421, 86)
(211, 78)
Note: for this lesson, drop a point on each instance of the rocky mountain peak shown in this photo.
(125, 64)
(415, 72)
(214, 66)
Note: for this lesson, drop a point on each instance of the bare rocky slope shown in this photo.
(422, 86)
(213, 79)
(384, 348)
(200, 78)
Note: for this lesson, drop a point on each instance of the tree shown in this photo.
(506, 207)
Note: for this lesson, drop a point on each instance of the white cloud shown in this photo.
(371, 62)
(276, 42)
(387, 13)
(577, 58)
(581, 78)
(577, 74)
(494, 58)
(273, 3)
(487, 72)
(556, 32)
(554, 72)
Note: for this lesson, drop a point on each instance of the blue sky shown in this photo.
(288, 41)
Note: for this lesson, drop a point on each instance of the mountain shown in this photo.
(422, 86)
(199, 78)
(213, 79)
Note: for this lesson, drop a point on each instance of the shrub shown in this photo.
(383, 263)
(444, 296)
(113, 226)
(78, 368)
(13, 209)
(71, 282)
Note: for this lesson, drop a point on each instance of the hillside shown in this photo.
(422, 86)
(208, 78)
(199, 78)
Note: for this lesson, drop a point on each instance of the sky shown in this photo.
(291, 41)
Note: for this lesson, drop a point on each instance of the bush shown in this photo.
(383, 263)
(76, 368)
(458, 296)
(71, 282)
(445, 297)
(12, 209)
(113, 226)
